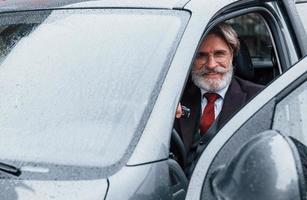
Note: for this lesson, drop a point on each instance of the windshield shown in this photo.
(77, 86)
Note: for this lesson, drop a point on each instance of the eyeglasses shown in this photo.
(218, 56)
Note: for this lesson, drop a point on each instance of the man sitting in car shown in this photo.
(214, 94)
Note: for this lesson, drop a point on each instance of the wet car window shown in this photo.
(291, 116)
(77, 86)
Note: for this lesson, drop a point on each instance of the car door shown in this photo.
(281, 108)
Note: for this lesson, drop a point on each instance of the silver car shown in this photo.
(89, 91)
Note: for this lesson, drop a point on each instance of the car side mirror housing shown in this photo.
(266, 167)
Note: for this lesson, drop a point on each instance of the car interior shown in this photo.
(256, 60)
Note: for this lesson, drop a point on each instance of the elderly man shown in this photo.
(215, 94)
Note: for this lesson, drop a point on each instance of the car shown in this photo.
(89, 91)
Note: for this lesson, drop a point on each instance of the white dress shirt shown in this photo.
(218, 103)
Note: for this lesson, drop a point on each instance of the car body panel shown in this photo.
(14, 5)
(166, 4)
(140, 182)
(298, 28)
(47, 190)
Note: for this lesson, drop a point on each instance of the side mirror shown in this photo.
(266, 167)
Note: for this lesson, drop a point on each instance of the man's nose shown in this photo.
(211, 63)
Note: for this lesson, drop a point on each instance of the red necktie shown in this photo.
(208, 115)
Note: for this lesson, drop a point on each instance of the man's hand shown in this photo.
(179, 111)
(182, 112)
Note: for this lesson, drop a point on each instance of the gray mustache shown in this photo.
(205, 70)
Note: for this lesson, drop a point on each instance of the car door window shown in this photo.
(291, 116)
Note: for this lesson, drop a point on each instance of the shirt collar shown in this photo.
(221, 92)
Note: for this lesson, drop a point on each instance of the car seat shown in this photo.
(242, 62)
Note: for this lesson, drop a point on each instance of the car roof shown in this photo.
(19, 5)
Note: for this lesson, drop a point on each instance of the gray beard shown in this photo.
(212, 85)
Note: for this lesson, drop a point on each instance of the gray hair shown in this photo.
(228, 34)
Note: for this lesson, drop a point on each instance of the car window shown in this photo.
(81, 83)
(291, 116)
(254, 33)
(301, 8)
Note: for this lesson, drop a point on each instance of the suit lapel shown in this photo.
(234, 99)
(190, 126)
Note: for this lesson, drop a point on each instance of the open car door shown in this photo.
(280, 110)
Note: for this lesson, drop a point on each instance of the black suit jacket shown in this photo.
(238, 94)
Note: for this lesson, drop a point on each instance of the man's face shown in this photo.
(212, 68)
